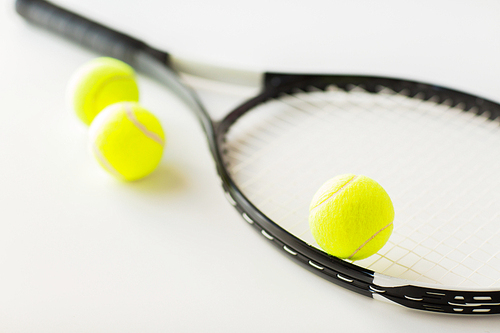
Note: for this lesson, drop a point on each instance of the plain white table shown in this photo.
(82, 252)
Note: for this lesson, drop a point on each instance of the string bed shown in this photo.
(439, 164)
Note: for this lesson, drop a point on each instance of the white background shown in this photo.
(82, 252)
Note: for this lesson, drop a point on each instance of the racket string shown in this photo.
(436, 161)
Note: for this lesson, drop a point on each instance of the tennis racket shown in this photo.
(435, 150)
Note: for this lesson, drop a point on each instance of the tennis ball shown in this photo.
(127, 140)
(351, 217)
(99, 83)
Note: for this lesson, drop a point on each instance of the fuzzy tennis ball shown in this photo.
(351, 217)
(99, 83)
(127, 140)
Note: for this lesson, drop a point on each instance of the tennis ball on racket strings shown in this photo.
(351, 217)
(127, 140)
(99, 83)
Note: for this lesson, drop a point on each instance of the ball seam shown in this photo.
(368, 240)
(153, 136)
(104, 161)
(346, 185)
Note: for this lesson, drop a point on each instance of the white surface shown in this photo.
(81, 252)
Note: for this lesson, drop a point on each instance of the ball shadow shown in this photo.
(167, 178)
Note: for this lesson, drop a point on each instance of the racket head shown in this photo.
(243, 141)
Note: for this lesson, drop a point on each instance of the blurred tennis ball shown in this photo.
(127, 140)
(99, 83)
(351, 217)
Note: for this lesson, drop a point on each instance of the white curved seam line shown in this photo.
(336, 192)
(105, 162)
(369, 239)
(153, 136)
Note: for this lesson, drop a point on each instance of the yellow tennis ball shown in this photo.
(99, 83)
(127, 140)
(351, 217)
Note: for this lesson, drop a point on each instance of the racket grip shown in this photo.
(85, 32)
